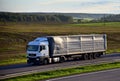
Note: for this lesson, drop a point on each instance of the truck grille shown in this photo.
(32, 54)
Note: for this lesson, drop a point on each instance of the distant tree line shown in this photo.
(51, 18)
(111, 18)
(19, 17)
(105, 18)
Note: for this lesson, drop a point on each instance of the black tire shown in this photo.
(95, 56)
(85, 57)
(98, 55)
(62, 59)
(45, 61)
(90, 56)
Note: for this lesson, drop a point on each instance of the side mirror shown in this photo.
(40, 48)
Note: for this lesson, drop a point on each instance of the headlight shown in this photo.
(37, 59)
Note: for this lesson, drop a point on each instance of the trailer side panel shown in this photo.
(78, 44)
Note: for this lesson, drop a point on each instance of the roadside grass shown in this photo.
(15, 36)
(65, 72)
(113, 51)
(12, 59)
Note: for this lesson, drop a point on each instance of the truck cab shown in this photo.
(37, 50)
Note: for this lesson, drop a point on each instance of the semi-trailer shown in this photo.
(51, 49)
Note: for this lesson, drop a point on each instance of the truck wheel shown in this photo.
(45, 61)
(62, 59)
(85, 57)
(95, 56)
(98, 55)
(90, 56)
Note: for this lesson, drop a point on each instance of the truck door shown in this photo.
(44, 50)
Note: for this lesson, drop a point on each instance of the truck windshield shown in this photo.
(32, 47)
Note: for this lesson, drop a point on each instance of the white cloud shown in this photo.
(83, 6)
(52, 2)
(101, 8)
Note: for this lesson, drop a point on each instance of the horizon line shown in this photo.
(54, 12)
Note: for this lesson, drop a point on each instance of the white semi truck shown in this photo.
(50, 49)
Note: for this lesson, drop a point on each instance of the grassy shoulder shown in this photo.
(13, 59)
(65, 72)
(113, 51)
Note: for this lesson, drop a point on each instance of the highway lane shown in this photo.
(23, 69)
(106, 75)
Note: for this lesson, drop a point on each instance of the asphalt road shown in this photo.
(23, 69)
(107, 75)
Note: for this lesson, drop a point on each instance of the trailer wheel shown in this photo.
(45, 61)
(95, 56)
(85, 57)
(98, 55)
(90, 56)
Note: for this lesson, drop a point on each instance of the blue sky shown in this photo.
(74, 6)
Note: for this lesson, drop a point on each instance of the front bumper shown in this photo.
(36, 60)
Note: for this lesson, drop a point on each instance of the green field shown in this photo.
(15, 36)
